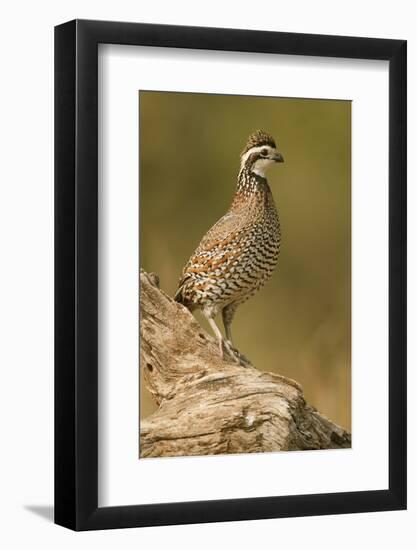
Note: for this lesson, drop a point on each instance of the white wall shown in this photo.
(26, 286)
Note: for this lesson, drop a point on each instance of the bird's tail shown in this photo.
(181, 295)
(178, 296)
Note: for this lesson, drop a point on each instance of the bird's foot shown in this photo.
(235, 354)
(229, 351)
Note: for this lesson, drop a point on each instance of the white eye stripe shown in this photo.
(256, 150)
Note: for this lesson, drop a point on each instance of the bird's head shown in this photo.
(260, 152)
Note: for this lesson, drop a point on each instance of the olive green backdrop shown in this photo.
(298, 325)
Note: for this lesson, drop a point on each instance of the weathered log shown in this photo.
(210, 405)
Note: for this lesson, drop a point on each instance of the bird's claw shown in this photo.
(235, 354)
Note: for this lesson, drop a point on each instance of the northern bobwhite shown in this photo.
(239, 253)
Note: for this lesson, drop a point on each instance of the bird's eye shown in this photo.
(264, 152)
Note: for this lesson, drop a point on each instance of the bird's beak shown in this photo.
(278, 158)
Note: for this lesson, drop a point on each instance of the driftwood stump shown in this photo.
(208, 405)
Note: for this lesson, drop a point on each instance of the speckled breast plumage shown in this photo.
(238, 254)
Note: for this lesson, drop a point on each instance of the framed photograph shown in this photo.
(230, 253)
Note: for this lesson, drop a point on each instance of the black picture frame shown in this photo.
(76, 272)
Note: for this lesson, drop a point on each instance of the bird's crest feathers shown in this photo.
(257, 139)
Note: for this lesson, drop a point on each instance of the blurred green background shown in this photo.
(298, 325)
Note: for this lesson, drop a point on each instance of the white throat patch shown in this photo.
(261, 166)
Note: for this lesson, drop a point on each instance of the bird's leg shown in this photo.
(217, 333)
(228, 313)
(223, 344)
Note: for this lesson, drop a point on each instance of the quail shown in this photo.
(239, 253)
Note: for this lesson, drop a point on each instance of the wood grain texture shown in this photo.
(208, 405)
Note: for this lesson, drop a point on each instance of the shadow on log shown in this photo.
(208, 405)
